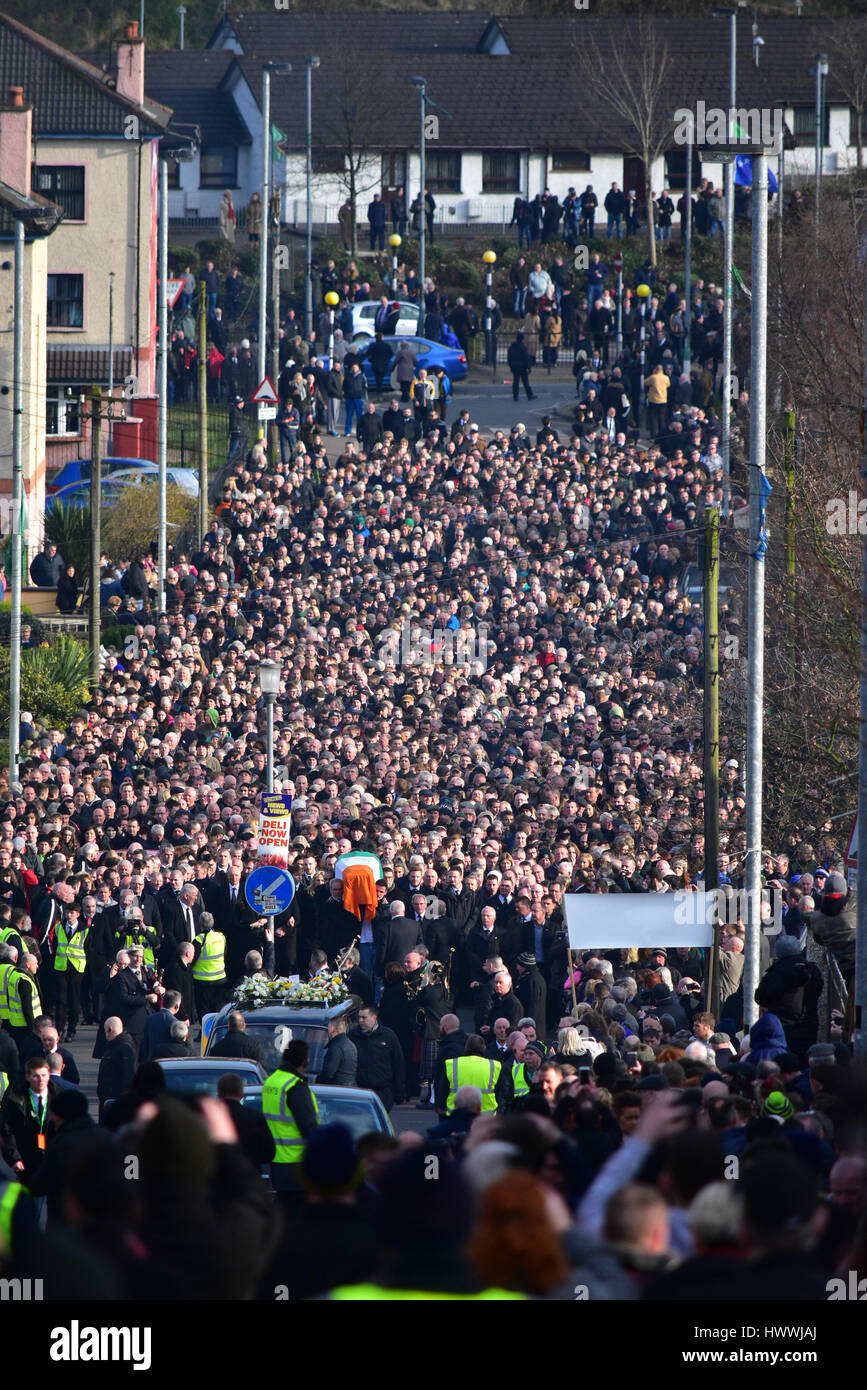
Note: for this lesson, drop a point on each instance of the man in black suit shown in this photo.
(117, 1066)
(400, 937)
(498, 1046)
(234, 918)
(358, 982)
(482, 943)
(26, 1128)
(178, 1044)
(136, 1000)
(254, 1133)
(338, 927)
(45, 1040)
(236, 1043)
(158, 1026)
(180, 922)
(178, 976)
(461, 902)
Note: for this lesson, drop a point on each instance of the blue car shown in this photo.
(429, 354)
(114, 486)
(78, 471)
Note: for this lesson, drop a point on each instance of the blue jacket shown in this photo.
(768, 1039)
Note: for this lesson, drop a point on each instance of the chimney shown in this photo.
(16, 141)
(130, 64)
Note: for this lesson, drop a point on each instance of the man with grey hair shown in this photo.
(117, 1065)
(178, 1044)
(158, 1026)
(400, 936)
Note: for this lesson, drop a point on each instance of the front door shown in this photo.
(633, 177)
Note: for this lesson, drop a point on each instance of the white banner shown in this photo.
(606, 920)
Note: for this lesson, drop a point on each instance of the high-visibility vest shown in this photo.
(4, 1084)
(7, 970)
(209, 966)
(12, 1194)
(376, 1292)
(130, 937)
(520, 1084)
(483, 1072)
(16, 1011)
(281, 1122)
(70, 948)
(8, 933)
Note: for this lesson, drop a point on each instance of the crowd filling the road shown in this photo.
(597, 1131)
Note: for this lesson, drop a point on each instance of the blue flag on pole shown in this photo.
(744, 173)
(762, 540)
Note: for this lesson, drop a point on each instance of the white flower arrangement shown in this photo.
(258, 992)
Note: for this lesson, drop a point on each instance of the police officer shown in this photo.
(209, 966)
(475, 1068)
(69, 963)
(292, 1112)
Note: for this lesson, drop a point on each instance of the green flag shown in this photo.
(738, 279)
(277, 155)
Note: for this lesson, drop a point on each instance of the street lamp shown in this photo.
(821, 73)
(269, 684)
(490, 260)
(267, 69)
(421, 83)
(332, 299)
(725, 12)
(394, 242)
(643, 293)
(308, 284)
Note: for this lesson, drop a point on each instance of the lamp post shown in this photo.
(821, 74)
(181, 13)
(422, 209)
(269, 684)
(308, 283)
(490, 260)
(332, 299)
(643, 292)
(395, 242)
(724, 12)
(267, 70)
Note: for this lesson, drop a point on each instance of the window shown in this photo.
(675, 170)
(327, 161)
(62, 184)
(393, 170)
(570, 161)
(805, 126)
(218, 166)
(65, 301)
(63, 410)
(501, 172)
(443, 171)
(853, 126)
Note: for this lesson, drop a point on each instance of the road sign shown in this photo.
(265, 392)
(269, 891)
(174, 290)
(852, 848)
(618, 262)
(267, 412)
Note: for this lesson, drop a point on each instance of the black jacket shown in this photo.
(380, 1060)
(237, 1044)
(453, 1045)
(133, 1005)
(20, 1130)
(791, 989)
(399, 937)
(180, 977)
(32, 1047)
(518, 357)
(254, 1135)
(67, 1142)
(116, 1069)
(340, 1063)
(533, 995)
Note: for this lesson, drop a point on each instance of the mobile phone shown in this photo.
(584, 1076)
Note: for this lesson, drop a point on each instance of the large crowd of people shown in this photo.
(596, 1126)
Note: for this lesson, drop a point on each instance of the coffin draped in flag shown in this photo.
(359, 872)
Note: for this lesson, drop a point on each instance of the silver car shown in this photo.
(364, 319)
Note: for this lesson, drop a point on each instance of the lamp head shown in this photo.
(395, 240)
(332, 299)
(489, 257)
(269, 677)
(313, 62)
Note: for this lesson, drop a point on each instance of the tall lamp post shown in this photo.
(395, 242)
(725, 12)
(269, 684)
(490, 260)
(308, 282)
(821, 74)
(422, 208)
(332, 299)
(643, 292)
(267, 70)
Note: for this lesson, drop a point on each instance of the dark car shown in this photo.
(199, 1075)
(279, 1024)
(361, 1111)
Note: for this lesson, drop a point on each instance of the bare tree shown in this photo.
(353, 125)
(630, 83)
(847, 54)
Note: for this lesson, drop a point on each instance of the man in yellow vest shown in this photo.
(292, 1112)
(69, 963)
(521, 1075)
(475, 1068)
(23, 1000)
(8, 963)
(209, 966)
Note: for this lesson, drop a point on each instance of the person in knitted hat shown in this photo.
(834, 922)
(778, 1107)
(791, 989)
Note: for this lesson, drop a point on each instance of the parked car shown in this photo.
(429, 354)
(278, 1024)
(361, 1111)
(115, 485)
(199, 1075)
(364, 319)
(691, 582)
(78, 471)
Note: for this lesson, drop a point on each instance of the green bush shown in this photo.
(64, 661)
(54, 682)
(40, 632)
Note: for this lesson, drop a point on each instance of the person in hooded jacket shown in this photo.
(768, 1040)
(833, 923)
(791, 989)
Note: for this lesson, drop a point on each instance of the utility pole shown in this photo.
(275, 336)
(821, 74)
(711, 740)
(687, 269)
(860, 984)
(95, 530)
(729, 187)
(111, 362)
(162, 418)
(789, 473)
(308, 278)
(422, 206)
(17, 507)
(203, 406)
(756, 634)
